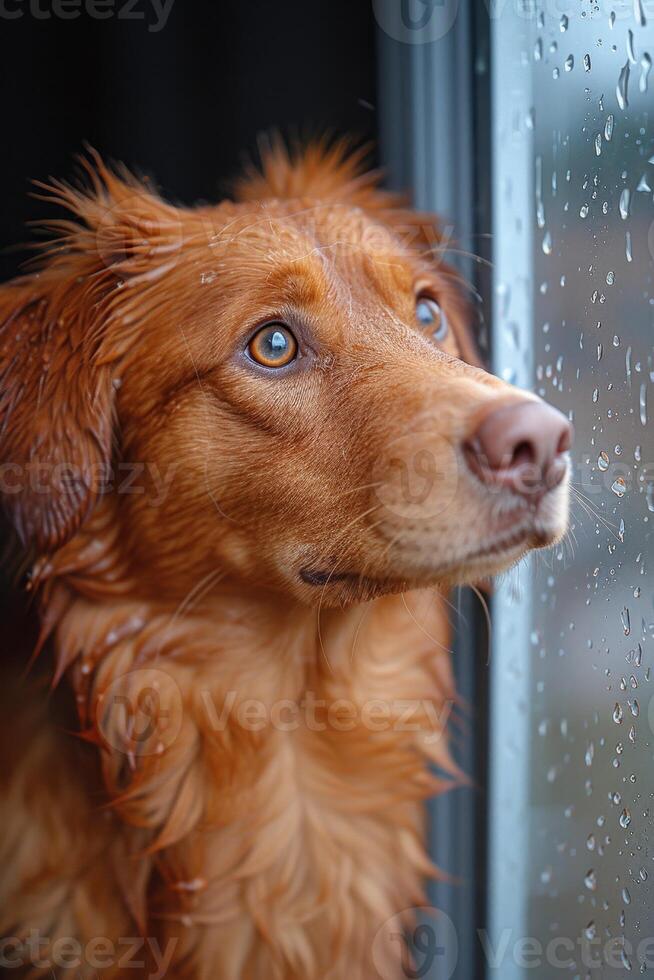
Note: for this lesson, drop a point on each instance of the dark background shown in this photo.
(183, 103)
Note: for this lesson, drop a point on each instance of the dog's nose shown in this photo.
(520, 446)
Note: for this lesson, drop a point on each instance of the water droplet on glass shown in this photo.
(622, 88)
(639, 13)
(624, 203)
(643, 185)
(590, 880)
(608, 127)
(619, 487)
(630, 47)
(587, 64)
(583, 211)
(603, 461)
(626, 621)
(645, 68)
(569, 62)
(618, 713)
(563, 24)
(547, 243)
(610, 278)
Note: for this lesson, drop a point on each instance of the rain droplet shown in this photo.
(642, 404)
(590, 880)
(590, 932)
(547, 243)
(627, 247)
(598, 145)
(626, 621)
(610, 278)
(583, 211)
(630, 47)
(617, 713)
(643, 185)
(563, 24)
(587, 64)
(639, 13)
(622, 88)
(619, 487)
(569, 62)
(603, 461)
(645, 68)
(608, 127)
(625, 818)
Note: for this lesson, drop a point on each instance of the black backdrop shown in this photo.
(179, 98)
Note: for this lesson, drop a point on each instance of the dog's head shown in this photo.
(281, 387)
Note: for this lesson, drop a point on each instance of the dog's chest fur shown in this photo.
(265, 819)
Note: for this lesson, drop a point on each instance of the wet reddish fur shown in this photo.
(265, 854)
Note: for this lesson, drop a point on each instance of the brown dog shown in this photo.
(237, 441)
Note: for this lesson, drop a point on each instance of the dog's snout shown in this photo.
(521, 447)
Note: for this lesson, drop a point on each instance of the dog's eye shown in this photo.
(431, 316)
(273, 346)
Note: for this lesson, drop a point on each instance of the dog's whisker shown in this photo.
(422, 629)
(487, 616)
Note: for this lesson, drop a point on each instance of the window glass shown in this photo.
(572, 750)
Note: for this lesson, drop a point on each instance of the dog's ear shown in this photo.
(62, 335)
(336, 173)
(55, 412)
